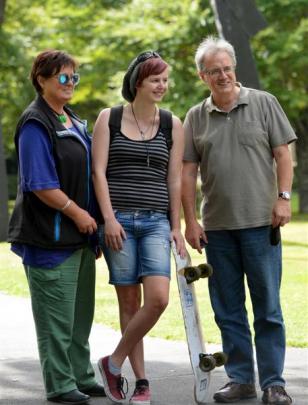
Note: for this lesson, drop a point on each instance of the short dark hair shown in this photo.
(49, 63)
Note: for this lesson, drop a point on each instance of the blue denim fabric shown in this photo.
(233, 255)
(146, 249)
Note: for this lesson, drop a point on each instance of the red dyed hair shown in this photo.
(152, 66)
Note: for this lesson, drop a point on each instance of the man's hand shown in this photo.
(281, 213)
(195, 235)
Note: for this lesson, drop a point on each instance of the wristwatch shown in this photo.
(285, 195)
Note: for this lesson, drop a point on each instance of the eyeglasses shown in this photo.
(64, 78)
(218, 71)
(147, 55)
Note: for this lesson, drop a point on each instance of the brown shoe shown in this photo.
(276, 395)
(233, 392)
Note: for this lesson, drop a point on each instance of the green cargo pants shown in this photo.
(63, 309)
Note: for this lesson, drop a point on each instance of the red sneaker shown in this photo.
(141, 395)
(113, 384)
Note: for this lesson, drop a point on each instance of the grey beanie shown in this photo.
(131, 76)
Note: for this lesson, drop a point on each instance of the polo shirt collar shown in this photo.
(242, 99)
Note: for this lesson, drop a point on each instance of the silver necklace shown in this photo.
(143, 133)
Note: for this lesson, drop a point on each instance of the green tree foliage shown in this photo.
(281, 52)
(104, 35)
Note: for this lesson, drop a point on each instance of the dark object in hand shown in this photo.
(202, 243)
(275, 236)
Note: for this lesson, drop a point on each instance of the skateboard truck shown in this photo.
(208, 362)
(193, 273)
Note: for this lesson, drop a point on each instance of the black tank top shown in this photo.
(137, 173)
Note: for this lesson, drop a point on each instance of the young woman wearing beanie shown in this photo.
(137, 157)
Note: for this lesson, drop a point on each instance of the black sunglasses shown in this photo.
(64, 78)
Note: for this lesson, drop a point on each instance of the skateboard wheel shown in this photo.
(192, 274)
(207, 362)
(206, 270)
(221, 358)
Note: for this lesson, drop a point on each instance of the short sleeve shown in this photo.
(36, 163)
(279, 128)
(190, 152)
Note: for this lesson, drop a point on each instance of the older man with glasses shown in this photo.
(239, 138)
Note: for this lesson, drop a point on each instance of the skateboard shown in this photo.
(201, 362)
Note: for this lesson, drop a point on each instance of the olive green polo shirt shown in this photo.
(234, 152)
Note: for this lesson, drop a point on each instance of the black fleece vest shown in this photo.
(33, 222)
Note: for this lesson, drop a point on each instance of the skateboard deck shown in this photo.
(201, 362)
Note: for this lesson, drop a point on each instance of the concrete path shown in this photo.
(168, 366)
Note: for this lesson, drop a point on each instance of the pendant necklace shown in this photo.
(143, 133)
(60, 117)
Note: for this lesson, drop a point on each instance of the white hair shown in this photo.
(210, 46)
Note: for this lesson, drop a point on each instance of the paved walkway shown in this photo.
(167, 362)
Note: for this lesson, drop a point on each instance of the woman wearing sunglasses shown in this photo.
(50, 228)
(137, 156)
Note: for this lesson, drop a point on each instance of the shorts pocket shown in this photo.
(159, 216)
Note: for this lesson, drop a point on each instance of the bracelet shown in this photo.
(67, 204)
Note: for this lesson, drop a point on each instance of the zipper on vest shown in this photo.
(57, 227)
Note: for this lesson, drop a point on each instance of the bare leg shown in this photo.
(129, 298)
(156, 295)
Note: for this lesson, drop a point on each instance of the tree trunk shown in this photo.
(3, 175)
(302, 162)
(237, 21)
(2, 7)
(3, 193)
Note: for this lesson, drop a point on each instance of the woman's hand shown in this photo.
(84, 222)
(57, 199)
(114, 234)
(178, 238)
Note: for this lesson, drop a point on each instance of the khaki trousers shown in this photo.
(63, 309)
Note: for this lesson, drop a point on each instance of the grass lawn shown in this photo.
(294, 291)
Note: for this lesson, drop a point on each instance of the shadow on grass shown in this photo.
(296, 244)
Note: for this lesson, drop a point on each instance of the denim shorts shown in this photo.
(146, 249)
